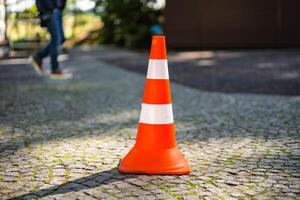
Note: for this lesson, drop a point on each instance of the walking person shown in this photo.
(50, 13)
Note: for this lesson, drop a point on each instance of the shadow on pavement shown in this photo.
(88, 182)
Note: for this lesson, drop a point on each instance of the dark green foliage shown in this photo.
(127, 22)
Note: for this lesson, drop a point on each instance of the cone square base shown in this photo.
(168, 162)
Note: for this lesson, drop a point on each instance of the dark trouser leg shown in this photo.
(60, 28)
(42, 53)
(54, 43)
(52, 47)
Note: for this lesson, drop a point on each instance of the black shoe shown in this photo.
(59, 75)
(37, 65)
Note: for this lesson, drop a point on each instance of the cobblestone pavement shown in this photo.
(64, 139)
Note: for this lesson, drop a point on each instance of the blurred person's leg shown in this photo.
(42, 53)
(60, 27)
(51, 48)
(54, 42)
(37, 59)
(57, 38)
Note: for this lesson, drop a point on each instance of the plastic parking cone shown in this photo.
(155, 150)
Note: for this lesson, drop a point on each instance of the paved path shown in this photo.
(239, 71)
(64, 139)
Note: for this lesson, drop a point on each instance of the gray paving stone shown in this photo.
(64, 139)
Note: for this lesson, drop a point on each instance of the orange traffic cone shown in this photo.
(155, 150)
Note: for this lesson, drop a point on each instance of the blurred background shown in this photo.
(225, 45)
(127, 23)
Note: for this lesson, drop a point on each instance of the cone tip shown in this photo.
(158, 47)
(158, 37)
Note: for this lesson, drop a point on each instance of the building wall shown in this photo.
(233, 23)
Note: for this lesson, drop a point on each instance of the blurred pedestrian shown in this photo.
(50, 13)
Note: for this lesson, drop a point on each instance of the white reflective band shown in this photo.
(158, 69)
(156, 114)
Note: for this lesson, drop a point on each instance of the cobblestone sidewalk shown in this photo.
(64, 139)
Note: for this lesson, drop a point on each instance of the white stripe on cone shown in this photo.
(156, 114)
(158, 69)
